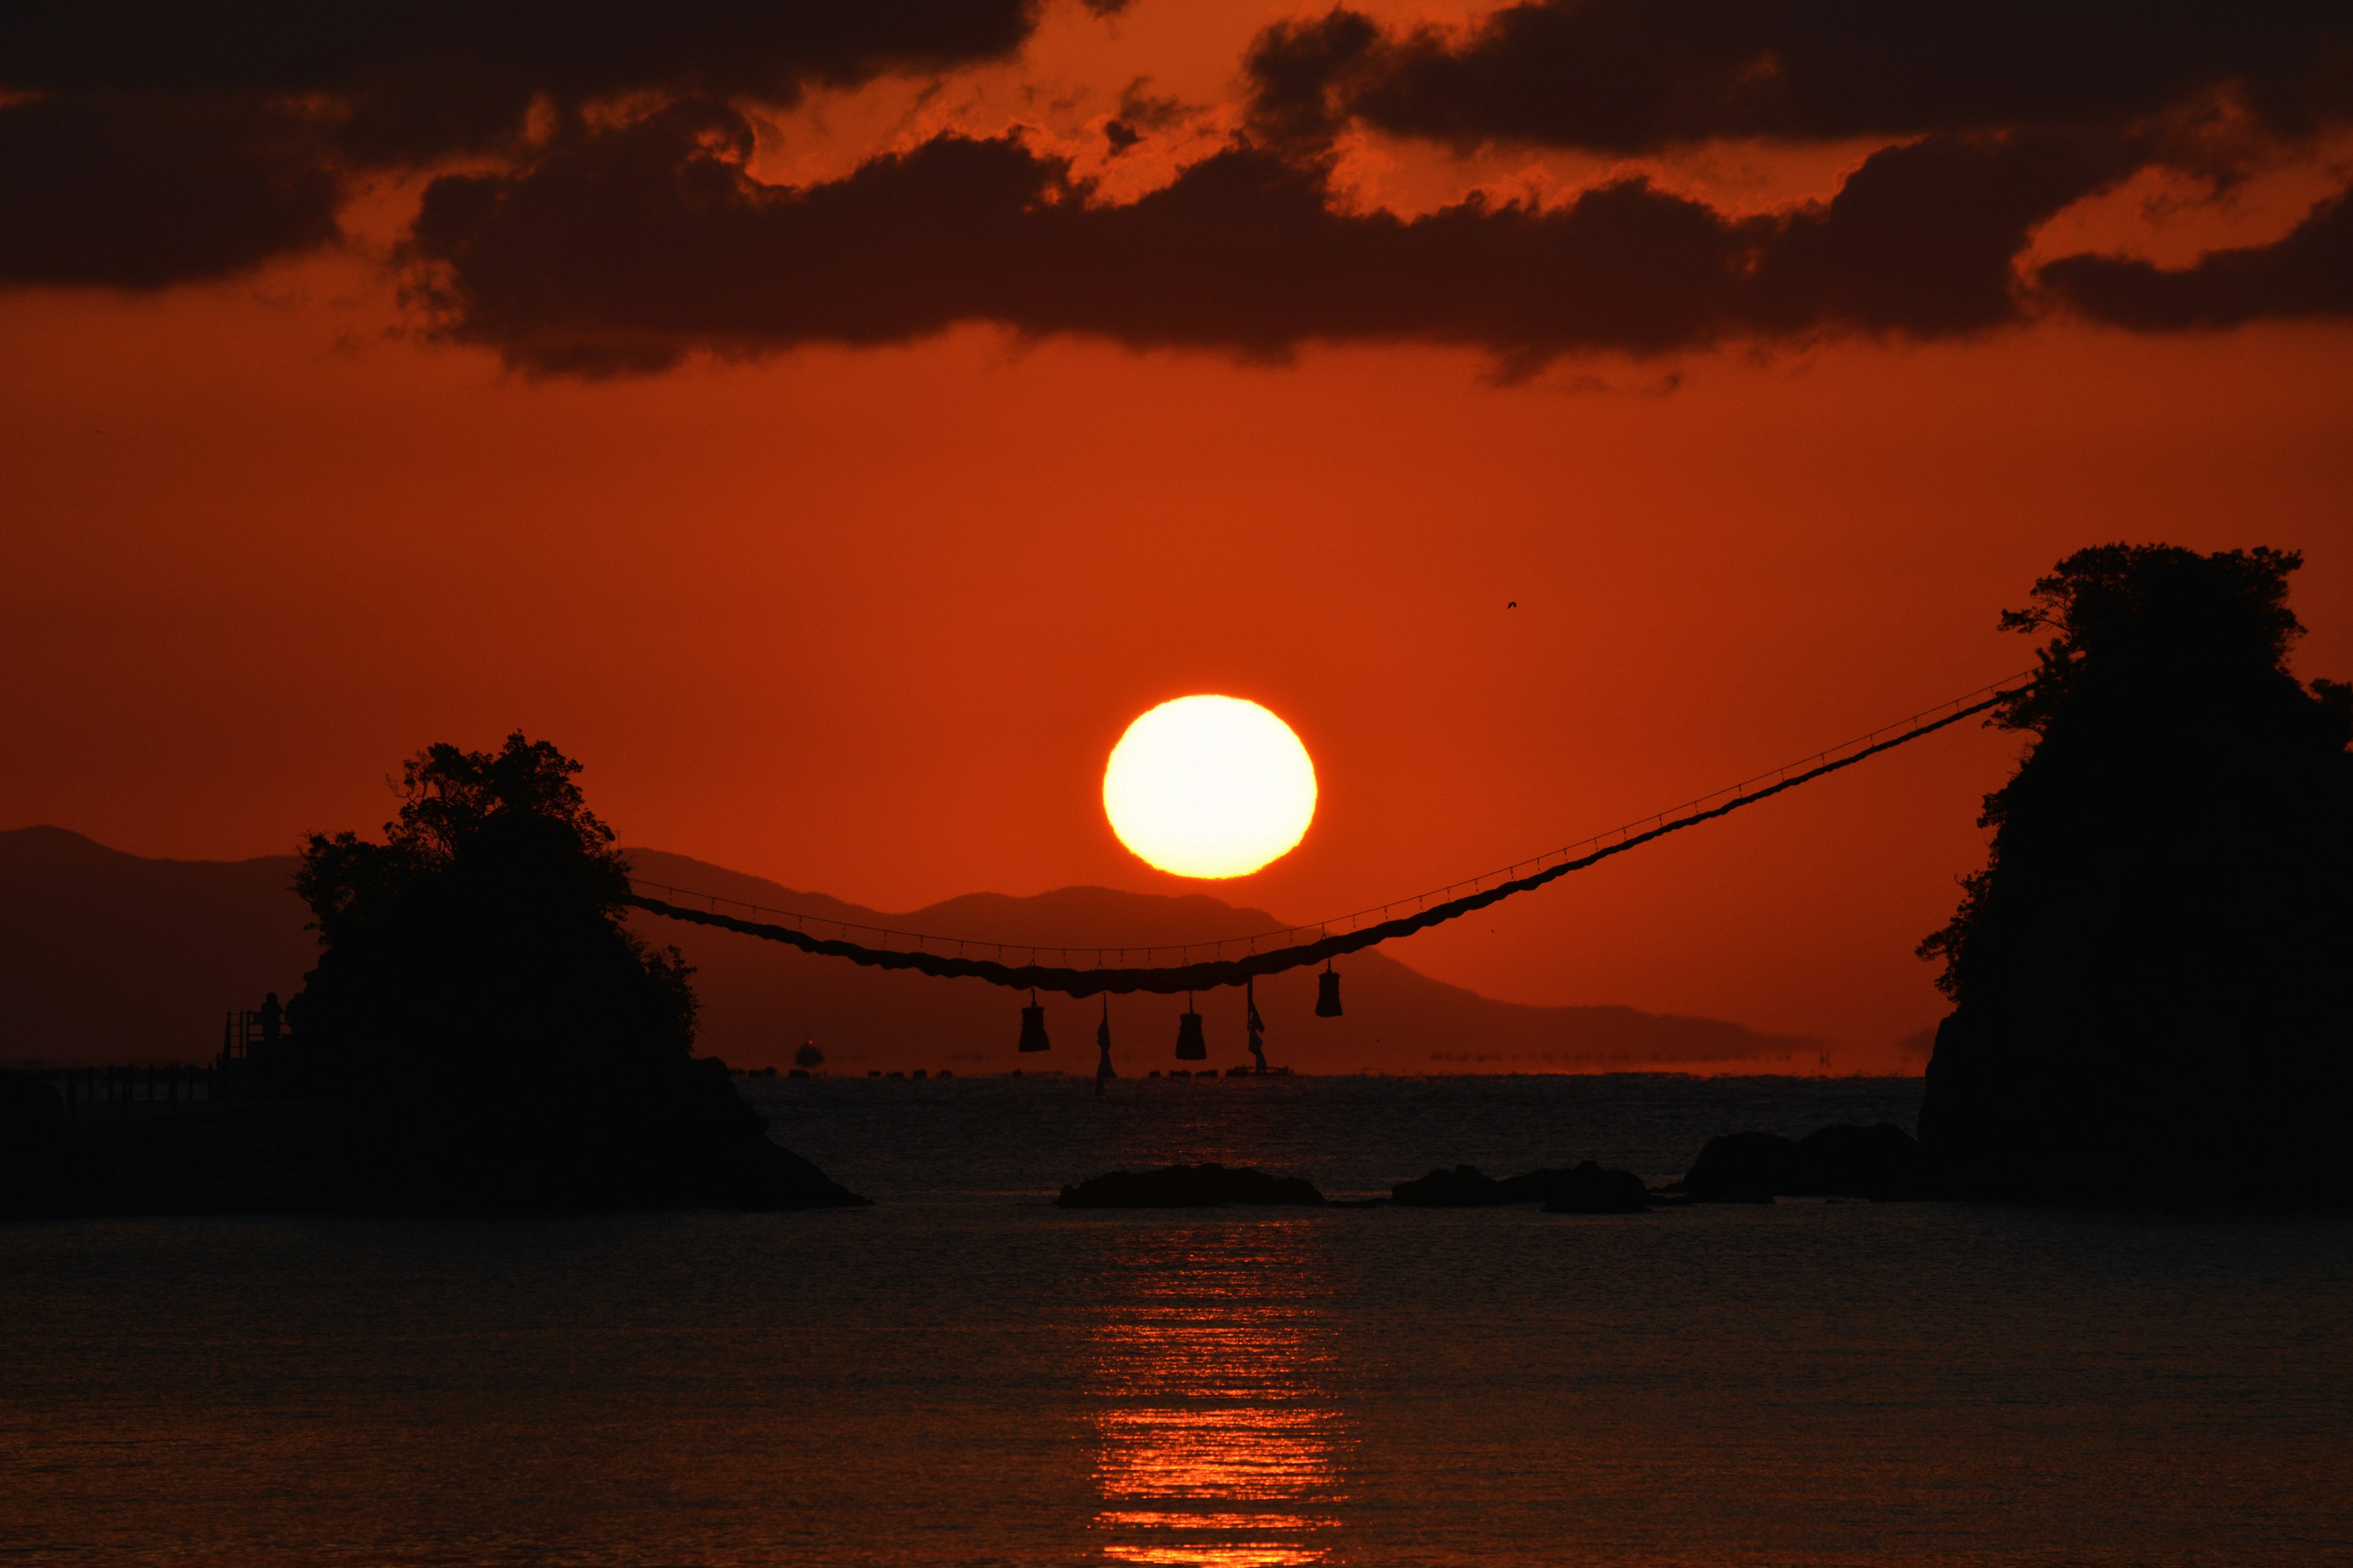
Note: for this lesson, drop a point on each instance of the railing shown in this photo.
(250, 1040)
(119, 1088)
(244, 1028)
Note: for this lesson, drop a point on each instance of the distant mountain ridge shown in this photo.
(107, 956)
(110, 957)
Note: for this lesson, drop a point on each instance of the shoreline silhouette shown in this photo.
(483, 1028)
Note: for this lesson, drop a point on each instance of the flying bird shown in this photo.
(1513, 606)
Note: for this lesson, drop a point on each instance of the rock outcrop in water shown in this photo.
(2150, 975)
(1209, 1186)
(481, 1033)
(1585, 1189)
(1880, 1162)
(1593, 1188)
(1464, 1186)
(490, 1028)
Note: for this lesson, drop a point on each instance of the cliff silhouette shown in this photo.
(2150, 975)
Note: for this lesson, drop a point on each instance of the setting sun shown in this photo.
(1209, 786)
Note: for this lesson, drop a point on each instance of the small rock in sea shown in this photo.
(1591, 1189)
(1743, 1168)
(1880, 1162)
(1465, 1186)
(1207, 1186)
(1586, 1189)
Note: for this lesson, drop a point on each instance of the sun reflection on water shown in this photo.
(1218, 1437)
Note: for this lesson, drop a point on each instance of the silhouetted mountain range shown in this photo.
(109, 957)
(106, 956)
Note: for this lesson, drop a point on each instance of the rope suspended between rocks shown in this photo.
(1208, 974)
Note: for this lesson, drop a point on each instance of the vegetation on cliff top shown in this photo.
(508, 1041)
(485, 930)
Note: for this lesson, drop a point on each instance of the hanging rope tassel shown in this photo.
(1191, 1045)
(1033, 1026)
(1327, 992)
(1256, 1024)
(1104, 1072)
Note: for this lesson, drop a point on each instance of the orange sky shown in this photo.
(868, 621)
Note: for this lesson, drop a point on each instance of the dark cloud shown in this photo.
(422, 78)
(627, 249)
(2306, 274)
(2005, 111)
(169, 140)
(144, 191)
(1923, 239)
(1634, 76)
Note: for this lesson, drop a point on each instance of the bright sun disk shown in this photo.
(1209, 786)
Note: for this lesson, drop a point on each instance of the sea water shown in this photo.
(965, 1374)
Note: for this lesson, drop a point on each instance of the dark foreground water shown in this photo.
(966, 1375)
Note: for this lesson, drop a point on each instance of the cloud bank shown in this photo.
(625, 231)
(160, 141)
(626, 249)
(1636, 76)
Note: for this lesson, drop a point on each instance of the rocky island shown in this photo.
(481, 1033)
(2151, 975)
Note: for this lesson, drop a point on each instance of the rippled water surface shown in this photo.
(964, 1374)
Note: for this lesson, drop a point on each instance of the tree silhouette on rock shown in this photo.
(2150, 974)
(479, 996)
